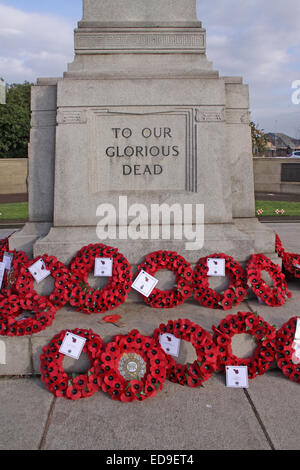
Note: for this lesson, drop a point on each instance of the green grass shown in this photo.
(14, 211)
(269, 208)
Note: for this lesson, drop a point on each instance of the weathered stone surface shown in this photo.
(23, 413)
(139, 11)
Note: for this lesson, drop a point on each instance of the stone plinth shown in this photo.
(141, 114)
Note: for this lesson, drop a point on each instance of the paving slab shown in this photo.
(178, 418)
(24, 411)
(276, 400)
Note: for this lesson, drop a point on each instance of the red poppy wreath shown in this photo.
(19, 258)
(273, 296)
(286, 358)
(133, 367)
(90, 300)
(72, 386)
(252, 324)
(59, 272)
(203, 367)
(233, 295)
(184, 278)
(36, 313)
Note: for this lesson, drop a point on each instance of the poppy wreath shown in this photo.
(9, 280)
(71, 386)
(285, 352)
(90, 300)
(273, 296)
(252, 324)
(232, 296)
(290, 261)
(203, 367)
(39, 315)
(58, 271)
(183, 271)
(133, 367)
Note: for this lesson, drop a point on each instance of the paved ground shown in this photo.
(266, 416)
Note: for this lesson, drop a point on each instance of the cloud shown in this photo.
(261, 42)
(257, 40)
(33, 45)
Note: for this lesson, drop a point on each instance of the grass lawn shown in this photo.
(14, 211)
(269, 208)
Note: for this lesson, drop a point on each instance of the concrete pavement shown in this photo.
(265, 416)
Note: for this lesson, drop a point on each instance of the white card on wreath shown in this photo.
(7, 260)
(72, 345)
(237, 376)
(297, 332)
(144, 283)
(2, 271)
(38, 271)
(216, 266)
(170, 344)
(103, 267)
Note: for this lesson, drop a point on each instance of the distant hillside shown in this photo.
(283, 140)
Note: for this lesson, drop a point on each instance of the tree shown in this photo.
(259, 140)
(15, 121)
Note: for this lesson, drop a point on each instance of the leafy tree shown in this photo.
(15, 121)
(259, 140)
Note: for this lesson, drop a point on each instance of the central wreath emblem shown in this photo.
(132, 366)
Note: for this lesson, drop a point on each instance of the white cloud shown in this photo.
(261, 42)
(257, 40)
(33, 45)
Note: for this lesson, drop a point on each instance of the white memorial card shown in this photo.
(170, 344)
(297, 332)
(2, 271)
(216, 266)
(144, 283)
(7, 260)
(103, 267)
(237, 376)
(72, 345)
(38, 271)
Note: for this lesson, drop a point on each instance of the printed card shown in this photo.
(170, 344)
(237, 376)
(144, 283)
(7, 260)
(72, 345)
(38, 271)
(297, 332)
(216, 267)
(103, 267)
(2, 271)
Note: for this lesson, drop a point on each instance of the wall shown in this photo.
(13, 175)
(267, 176)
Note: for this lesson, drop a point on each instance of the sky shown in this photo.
(259, 40)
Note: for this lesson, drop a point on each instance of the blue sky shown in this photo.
(259, 40)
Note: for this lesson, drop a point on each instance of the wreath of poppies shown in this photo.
(25, 315)
(133, 367)
(72, 386)
(19, 258)
(285, 352)
(203, 367)
(232, 296)
(273, 296)
(89, 300)
(252, 324)
(58, 271)
(183, 271)
(290, 261)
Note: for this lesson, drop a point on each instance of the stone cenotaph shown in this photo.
(141, 119)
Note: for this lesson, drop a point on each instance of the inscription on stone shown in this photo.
(138, 152)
